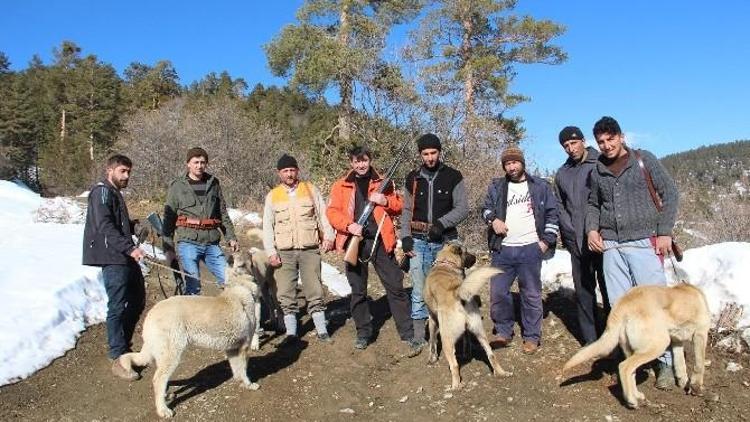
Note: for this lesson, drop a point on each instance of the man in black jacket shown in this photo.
(434, 204)
(573, 187)
(108, 243)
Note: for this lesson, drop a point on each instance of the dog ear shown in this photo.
(469, 260)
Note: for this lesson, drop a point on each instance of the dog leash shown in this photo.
(182, 273)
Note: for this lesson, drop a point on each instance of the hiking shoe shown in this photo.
(121, 372)
(530, 347)
(361, 343)
(325, 338)
(498, 341)
(415, 347)
(288, 341)
(664, 376)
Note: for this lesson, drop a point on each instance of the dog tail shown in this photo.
(474, 282)
(600, 348)
(139, 359)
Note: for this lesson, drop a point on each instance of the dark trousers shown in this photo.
(524, 262)
(587, 272)
(392, 279)
(127, 298)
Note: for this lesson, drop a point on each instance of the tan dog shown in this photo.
(453, 310)
(225, 322)
(645, 322)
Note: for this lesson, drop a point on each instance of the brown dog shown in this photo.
(453, 310)
(645, 322)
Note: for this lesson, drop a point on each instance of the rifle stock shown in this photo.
(352, 250)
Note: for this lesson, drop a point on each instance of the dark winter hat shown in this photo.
(512, 153)
(286, 161)
(429, 140)
(570, 132)
(196, 152)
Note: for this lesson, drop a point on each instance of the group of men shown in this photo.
(608, 220)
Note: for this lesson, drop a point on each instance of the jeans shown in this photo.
(190, 256)
(126, 295)
(419, 266)
(525, 262)
(630, 264)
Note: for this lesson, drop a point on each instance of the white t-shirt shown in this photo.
(519, 216)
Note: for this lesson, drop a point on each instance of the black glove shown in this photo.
(407, 244)
(436, 232)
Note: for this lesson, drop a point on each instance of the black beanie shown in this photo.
(429, 140)
(570, 132)
(286, 161)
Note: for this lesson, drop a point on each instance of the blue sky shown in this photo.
(673, 73)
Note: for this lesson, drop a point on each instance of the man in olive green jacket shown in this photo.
(195, 216)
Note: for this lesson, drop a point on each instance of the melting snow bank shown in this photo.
(49, 298)
(722, 271)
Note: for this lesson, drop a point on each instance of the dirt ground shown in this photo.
(319, 381)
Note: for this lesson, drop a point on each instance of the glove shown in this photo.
(407, 244)
(436, 232)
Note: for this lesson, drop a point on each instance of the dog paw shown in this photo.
(165, 412)
(639, 395)
(432, 360)
(251, 386)
(457, 386)
(255, 346)
(503, 373)
(696, 390)
(682, 382)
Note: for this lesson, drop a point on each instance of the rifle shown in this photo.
(158, 227)
(352, 249)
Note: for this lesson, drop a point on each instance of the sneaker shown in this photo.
(288, 341)
(361, 343)
(498, 341)
(664, 376)
(415, 347)
(325, 338)
(530, 347)
(121, 372)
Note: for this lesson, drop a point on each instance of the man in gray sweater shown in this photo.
(623, 222)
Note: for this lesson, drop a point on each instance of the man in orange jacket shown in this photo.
(349, 196)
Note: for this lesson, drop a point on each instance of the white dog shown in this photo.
(225, 322)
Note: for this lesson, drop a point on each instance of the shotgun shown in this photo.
(352, 248)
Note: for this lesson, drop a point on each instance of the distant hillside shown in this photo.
(714, 184)
(714, 167)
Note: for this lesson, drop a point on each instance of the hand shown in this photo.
(327, 245)
(379, 199)
(234, 245)
(543, 246)
(354, 229)
(137, 254)
(499, 227)
(664, 245)
(595, 242)
(169, 256)
(274, 260)
(407, 244)
(436, 232)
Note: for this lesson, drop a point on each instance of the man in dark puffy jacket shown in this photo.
(573, 187)
(108, 243)
(434, 204)
(521, 211)
(195, 216)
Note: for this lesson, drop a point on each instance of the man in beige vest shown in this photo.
(295, 228)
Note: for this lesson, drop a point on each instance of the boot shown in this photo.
(665, 379)
(417, 343)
